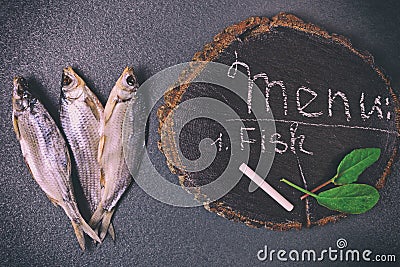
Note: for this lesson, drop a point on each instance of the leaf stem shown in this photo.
(299, 188)
(318, 187)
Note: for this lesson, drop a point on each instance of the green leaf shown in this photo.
(351, 198)
(354, 163)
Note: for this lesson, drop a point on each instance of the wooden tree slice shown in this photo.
(325, 66)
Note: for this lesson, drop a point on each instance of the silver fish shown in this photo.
(81, 115)
(116, 173)
(46, 155)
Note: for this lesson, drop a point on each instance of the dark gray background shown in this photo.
(99, 39)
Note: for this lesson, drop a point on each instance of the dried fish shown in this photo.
(81, 115)
(46, 155)
(116, 174)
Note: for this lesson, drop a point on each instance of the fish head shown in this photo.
(72, 86)
(127, 84)
(21, 97)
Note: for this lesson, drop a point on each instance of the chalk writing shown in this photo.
(243, 140)
(376, 107)
(218, 142)
(275, 139)
(294, 138)
(303, 107)
(345, 103)
(324, 125)
(268, 85)
(295, 141)
(263, 149)
(388, 113)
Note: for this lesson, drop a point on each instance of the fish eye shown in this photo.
(66, 80)
(22, 81)
(130, 80)
(21, 92)
(22, 85)
(21, 104)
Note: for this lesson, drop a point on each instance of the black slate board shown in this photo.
(299, 54)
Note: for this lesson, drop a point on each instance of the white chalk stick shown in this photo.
(266, 187)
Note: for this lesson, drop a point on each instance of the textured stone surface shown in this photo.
(99, 39)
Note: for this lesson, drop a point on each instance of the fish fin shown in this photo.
(16, 127)
(89, 231)
(52, 200)
(109, 109)
(111, 231)
(105, 223)
(81, 227)
(68, 160)
(101, 147)
(96, 230)
(97, 217)
(29, 168)
(79, 234)
(101, 219)
(93, 107)
(102, 178)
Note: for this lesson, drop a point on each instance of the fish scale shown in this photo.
(81, 128)
(36, 129)
(117, 177)
(86, 158)
(115, 160)
(46, 155)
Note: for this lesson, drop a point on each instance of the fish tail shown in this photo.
(89, 231)
(96, 230)
(97, 217)
(79, 234)
(101, 221)
(111, 231)
(105, 225)
(80, 227)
